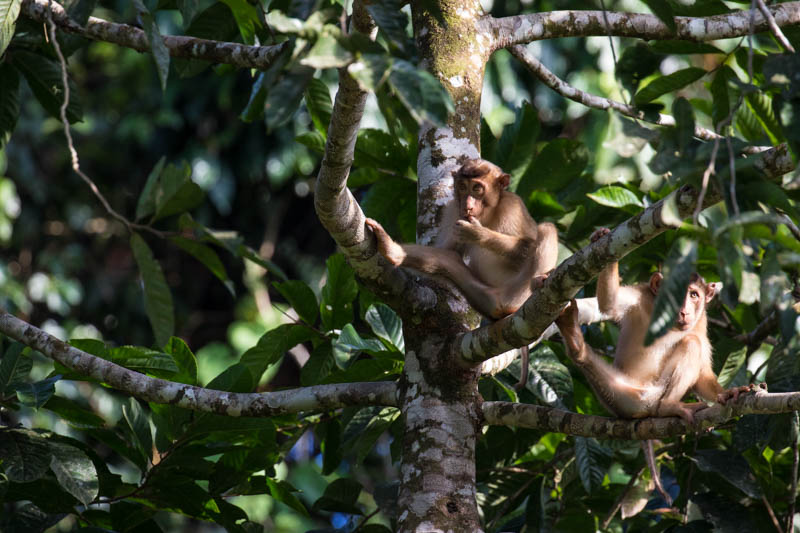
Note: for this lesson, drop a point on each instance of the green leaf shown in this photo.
(208, 257)
(330, 445)
(14, 367)
(157, 47)
(392, 21)
(370, 71)
(761, 105)
(365, 370)
(283, 24)
(147, 199)
(665, 84)
(615, 196)
(684, 123)
(272, 345)
(560, 162)
(25, 455)
(340, 496)
(175, 192)
(733, 363)
(36, 394)
(663, 11)
(9, 11)
(421, 93)
(721, 107)
(517, 144)
(9, 97)
(235, 378)
(378, 149)
(184, 359)
(246, 17)
(157, 298)
(139, 424)
(284, 97)
(774, 282)
(591, 457)
(680, 266)
(336, 308)
(301, 298)
(732, 467)
(350, 343)
(313, 140)
(318, 102)
(74, 471)
(282, 492)
(327, 53)
(386, 325)
(44, 78)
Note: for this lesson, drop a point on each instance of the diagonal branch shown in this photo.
(237, 54)
(539, 311)
(597, 102)
(560, 421)
(316, 398)
(521, 29)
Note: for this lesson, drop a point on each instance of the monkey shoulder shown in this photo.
(514, 218)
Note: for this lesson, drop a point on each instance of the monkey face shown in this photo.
(694, 305)
(472, 198)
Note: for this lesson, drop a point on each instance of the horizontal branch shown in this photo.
(316, 398)
(520, 29)
(237, 54)
(601, 427)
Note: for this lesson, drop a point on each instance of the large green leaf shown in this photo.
(336, 308)
(318, 366)
(721, 107)
(14, 367)
(318, 102)
(665, 84)
(592, 459)
(157, 297)
(36, 394)
(272, 345)
(559, 163)
(285, 96)
(615, 196)
(421, 93)
(327, 52)
(392, 21)
(9, 99)
(184, 359)
(247, 18)
(139, 426)
(301, 298)
(146, 205)
(9, 11)
(44, 78)
(386, 325)
(74, 471)
(680, 265)
(175, 192)
(730, 466)
(663, 10)
(25, 455)
(282, 492)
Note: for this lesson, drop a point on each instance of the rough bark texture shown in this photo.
(317, 398)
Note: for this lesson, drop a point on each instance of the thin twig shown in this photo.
(71, 146)
(771, 514)
(621, 498)
(773, 26)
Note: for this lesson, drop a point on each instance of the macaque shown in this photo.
(489, 245)
(648, 380)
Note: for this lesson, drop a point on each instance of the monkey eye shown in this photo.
(694, 294)
(478, 189)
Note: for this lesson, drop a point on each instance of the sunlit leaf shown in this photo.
(9, 11)
(615, 196)
(665, 84)
(75, 472)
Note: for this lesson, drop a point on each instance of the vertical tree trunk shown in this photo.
(440, 400)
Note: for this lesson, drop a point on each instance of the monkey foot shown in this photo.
(386, 246)
(599, 233)
(569, 327)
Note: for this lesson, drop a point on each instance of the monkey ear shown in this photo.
(712, 289)
(655, 282)
(503, 180)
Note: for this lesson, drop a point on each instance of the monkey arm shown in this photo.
(614, 299)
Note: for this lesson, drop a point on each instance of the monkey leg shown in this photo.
(615, 391)
(683, 370)
(389, 249)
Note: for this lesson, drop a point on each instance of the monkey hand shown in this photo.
(734, 392)
(468, 231)
(389, 249)
(599, 233)
(537, 282)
